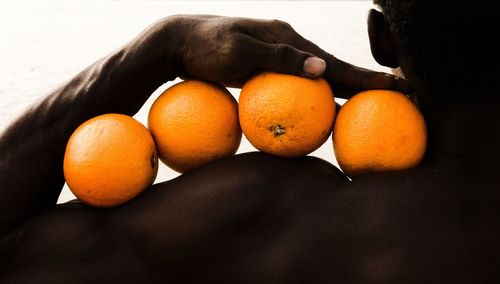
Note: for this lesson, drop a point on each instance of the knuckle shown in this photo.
(283, 52)
(282, 25)
(231, 46)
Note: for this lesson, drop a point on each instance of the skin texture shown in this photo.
(251, 218)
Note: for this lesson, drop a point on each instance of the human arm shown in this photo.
(33, 146)
(227, 50)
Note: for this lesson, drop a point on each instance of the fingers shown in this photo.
(284, 58)
(279, 32)
(289, 52)
(350, 79)
(280, 53)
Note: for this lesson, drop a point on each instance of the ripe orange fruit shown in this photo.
(193, 123)
(109, 160)
(378, 130)
(286, 115)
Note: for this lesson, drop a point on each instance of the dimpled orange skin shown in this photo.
(378, 130)
(109, 160)
(286, 115)
(193, 123)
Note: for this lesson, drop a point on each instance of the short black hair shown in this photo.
(446, 40)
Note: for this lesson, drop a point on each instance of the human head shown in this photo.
(441, 44)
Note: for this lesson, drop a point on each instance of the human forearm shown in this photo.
(32, 148)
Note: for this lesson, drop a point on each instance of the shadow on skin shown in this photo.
(255, 218)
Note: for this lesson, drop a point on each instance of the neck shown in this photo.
(465, 126)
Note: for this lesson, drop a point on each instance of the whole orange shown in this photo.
(109, 160)
(286, 115)
(194, 122)
(378, 130)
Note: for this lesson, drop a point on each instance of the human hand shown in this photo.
(231, 50)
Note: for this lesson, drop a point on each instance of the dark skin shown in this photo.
(251, 218)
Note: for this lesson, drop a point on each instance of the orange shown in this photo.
(378, 130)
(193, 123)
(109, 160)
(286, 115)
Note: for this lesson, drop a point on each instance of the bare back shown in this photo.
(264, 219)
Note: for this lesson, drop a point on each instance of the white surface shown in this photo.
(45, 43)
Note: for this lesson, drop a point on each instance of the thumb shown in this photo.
(285, 58)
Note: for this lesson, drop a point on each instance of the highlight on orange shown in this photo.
(109, 160)
(286, 115)
(194, 122)
(378, 130)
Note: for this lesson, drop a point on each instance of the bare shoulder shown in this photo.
(255, 218)
(197, 222)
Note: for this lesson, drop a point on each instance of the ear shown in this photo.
(382, 44)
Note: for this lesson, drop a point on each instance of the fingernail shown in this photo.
(314, 66)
